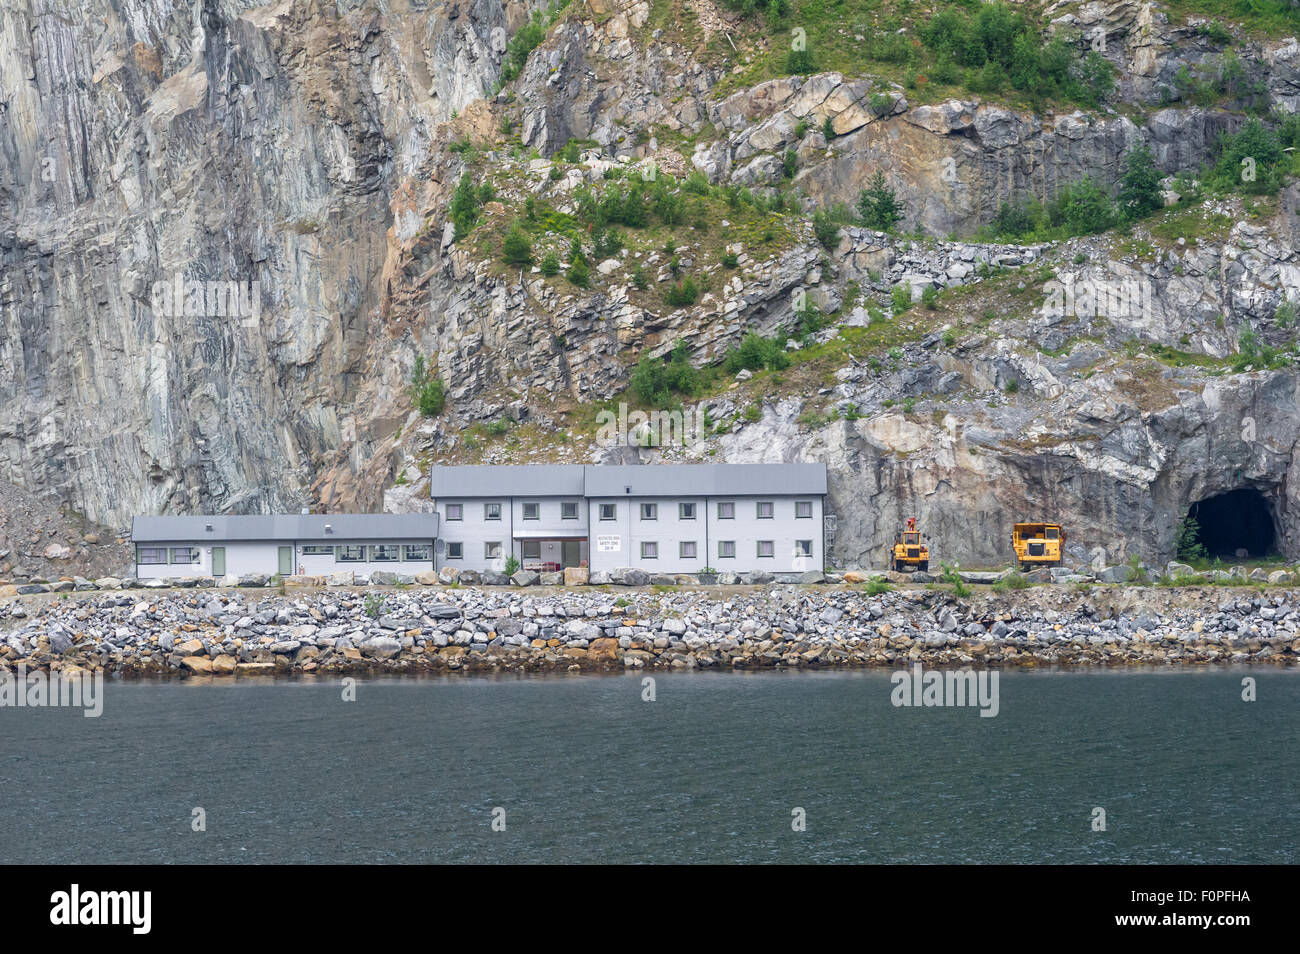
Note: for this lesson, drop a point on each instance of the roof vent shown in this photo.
(207, 527)
(305, 511)
(328, 528)
(627, 490)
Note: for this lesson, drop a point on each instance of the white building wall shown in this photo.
(474, 530)
(263, 557)
(628, 531)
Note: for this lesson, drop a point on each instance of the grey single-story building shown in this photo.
(671, 518)
(284, 544)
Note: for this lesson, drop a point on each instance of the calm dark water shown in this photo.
(711, 771)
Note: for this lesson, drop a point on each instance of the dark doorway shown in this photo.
(1237, 520)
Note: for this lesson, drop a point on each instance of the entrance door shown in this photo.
(286, 561)
(571, 552)
(218, 561)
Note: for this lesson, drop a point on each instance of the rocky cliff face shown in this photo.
(259, 144)
(299, 155)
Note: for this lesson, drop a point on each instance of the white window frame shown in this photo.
(488, 552)
(424, 552)
(564, 510)
(458, 553)
(341, 553)
(487, 511)
(537, 510)
(317, 549)
(154, 552)
(681, 511)
(613, 511)
(379, 551)
(801, 549)
(650, 508)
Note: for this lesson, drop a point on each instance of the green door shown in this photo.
(571, 552)
(286, 561)
(218, 561)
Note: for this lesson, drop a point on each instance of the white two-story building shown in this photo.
(671, 518)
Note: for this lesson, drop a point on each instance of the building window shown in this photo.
(418, 552)
(569, 510)
(803, 509)
(686, 511)
(649, 550)
(803, 548)
(455, 551)
(765, 510)
(687, 551)
(492, 550)
(350, 554)
(532, 549)
(766, 548)
(649, 511)
(151, 556)
(726, 510)
(531, 511)
(491, 511)
(385, 552)
(608, 511)
(726, 549)
(455, 511)
(315, 549)
(185, 555)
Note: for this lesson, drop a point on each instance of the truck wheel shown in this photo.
(924, 566)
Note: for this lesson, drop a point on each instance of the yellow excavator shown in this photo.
(909, 550)
(1038, 544)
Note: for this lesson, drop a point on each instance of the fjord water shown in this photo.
(710, 771)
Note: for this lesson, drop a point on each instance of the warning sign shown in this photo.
(609, 544)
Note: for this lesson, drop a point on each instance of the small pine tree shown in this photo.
(516, 249)
(878, 204)
(578, 272)
(1139, 186)
(550, 264)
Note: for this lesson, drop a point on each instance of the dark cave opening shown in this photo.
(1236, 520)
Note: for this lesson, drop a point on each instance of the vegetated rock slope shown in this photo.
(315, 148)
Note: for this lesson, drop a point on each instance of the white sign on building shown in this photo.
(609, 544)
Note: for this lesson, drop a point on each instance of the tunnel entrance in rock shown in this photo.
(1234, 521)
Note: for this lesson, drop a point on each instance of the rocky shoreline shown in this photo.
(245, 632)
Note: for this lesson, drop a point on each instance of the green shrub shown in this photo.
(639, 278)
(550, 264)
(656, 381)
(800, 63)
(1140, 193)
(682, 293)
(826, 230)
(877, 586)
(1189, 547)
(730, 260)
(959, 587)
(755, 353)
(464, 206)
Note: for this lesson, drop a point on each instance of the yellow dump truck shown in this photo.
(908, 550)
(1038, 544)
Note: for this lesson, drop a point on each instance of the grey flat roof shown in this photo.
(601, 480)
(506, 480)
(287, 526)
(705, 480)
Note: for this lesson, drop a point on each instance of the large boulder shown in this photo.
(383, 578)
(448, 575)
(524, 578)
(576, 576)
(381, 647)
(426, 578)
(253, 579)
(629, 576)
(342, 578)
